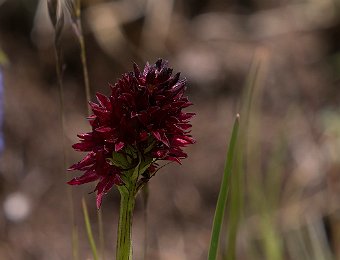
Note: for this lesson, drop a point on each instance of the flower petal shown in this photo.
(104, 101)
(85, 178)
(104, 186)
(160, 136)
(119, 146)
(83, 146)
(88, 160)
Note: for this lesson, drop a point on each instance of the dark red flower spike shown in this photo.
(144, 117)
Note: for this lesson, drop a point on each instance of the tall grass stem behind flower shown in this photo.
(74, 9)
(140, 124)
(56, 15)
(2, 142)
(3, 63)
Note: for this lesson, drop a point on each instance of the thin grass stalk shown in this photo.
(297, 246)
(85, 70)
(75, 251)
(271, 241)
(57, 18)
(236, 197)
(304, 244)
(223, 194)
(101, 235)
(237, 183)
(318, 238)
(75, 241)
(74, 8)
(89, 230)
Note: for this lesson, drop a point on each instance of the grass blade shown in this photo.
(235, 203)
(237, 183)
(89, 230)
(75, 243)
(223, 194)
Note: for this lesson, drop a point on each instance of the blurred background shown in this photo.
(292, 201)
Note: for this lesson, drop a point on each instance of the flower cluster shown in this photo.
(142, 119)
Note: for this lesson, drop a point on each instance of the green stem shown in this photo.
(124, 240)
(145, 200)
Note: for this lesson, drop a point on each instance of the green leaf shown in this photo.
(119, 160)
(223, 194)
(142, 166)
(131, 151)
(149, 148)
